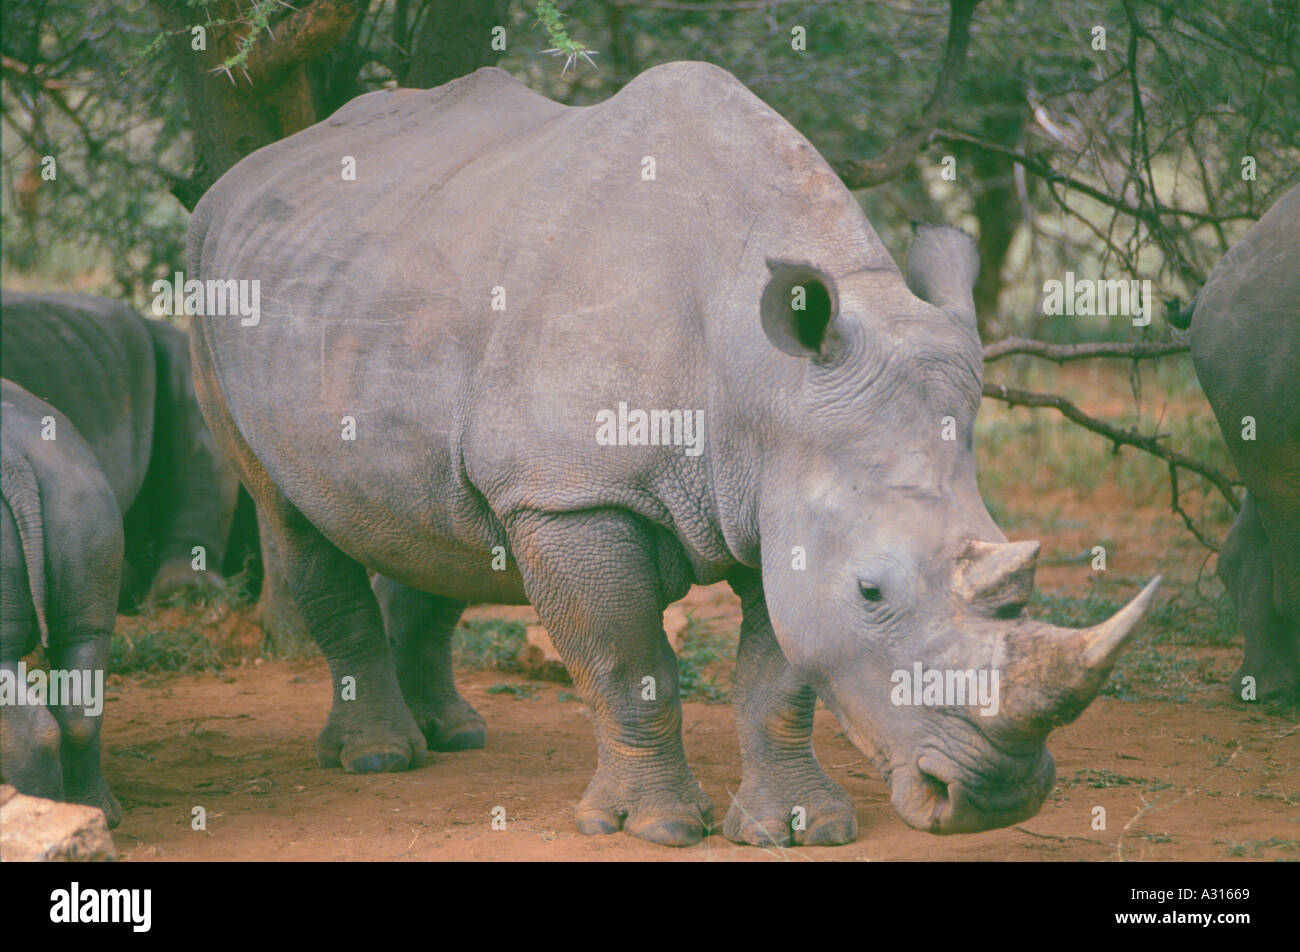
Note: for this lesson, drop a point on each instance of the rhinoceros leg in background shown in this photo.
(187, 504)
(1273, 640)
(276, 610)
(419, 628)
(774, 718)
(596, 579)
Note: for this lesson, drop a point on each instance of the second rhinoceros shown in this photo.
(474, 371)
(1245, 335)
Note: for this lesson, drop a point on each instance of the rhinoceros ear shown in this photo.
(798, 307)
(942, 266)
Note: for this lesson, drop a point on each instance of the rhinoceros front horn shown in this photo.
(1051, 674)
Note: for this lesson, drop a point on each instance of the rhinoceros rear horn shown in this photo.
(1051, 674)
(798, 307)
(996, 578)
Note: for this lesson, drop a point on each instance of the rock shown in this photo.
(33, 829)
(675, 622)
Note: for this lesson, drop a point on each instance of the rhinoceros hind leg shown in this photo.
(594, 579)
(370, 729)
(420, 627)
(784, 798)
(79, 750)
(29, 748)
(1272, 655)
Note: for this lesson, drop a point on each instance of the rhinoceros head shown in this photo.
(889, 587)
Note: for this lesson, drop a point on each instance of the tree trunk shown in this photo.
(234, 113)
(453, 39)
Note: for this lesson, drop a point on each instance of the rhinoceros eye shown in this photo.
(870, 592)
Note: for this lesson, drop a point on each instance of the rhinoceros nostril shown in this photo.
(936, 796)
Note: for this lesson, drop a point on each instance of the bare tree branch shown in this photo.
(1048, 174)
(1187, 520)
(1061, 353)
(1130, 437)
(864, 173)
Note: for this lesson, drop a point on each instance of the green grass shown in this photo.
(1252, 847)
(702, 648)
(182, 650)
(488, 644)
(1104, 779)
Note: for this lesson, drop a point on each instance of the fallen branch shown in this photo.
(1150, 444)
(1061, 353)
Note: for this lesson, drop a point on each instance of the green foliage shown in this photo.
(488, 644)
(182, 649)
(561, 44)
(705, 653)
(1103, 779)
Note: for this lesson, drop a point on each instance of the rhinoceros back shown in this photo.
(502, 268)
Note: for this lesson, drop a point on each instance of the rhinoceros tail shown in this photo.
(1182, 319)
(22, 492)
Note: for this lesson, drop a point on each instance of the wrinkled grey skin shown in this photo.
(61, 538)
(126, 384)
(476, 429)
(1246, 346)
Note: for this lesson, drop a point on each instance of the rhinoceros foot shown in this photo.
(371, 745)
(453, 725)
(806, 810)
(99, 796)
(667, 811)
(178, 578)
(1272, 683)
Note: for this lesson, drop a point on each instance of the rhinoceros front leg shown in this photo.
(420, 627)
(593, 578)
(784, 796)
(370, 729)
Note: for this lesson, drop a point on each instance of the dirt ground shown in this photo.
(1202, 780)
